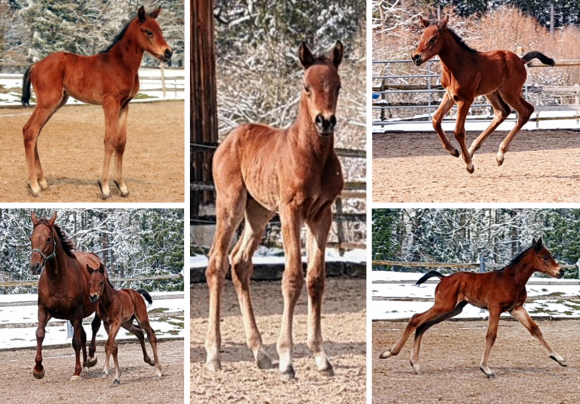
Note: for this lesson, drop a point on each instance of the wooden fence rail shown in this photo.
(14, 284)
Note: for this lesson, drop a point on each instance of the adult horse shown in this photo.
(109, 78)
(62, 289)
(467, 73)
(259, 170)
(496, 291)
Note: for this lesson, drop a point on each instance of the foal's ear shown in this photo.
(336, 54)
(141, 14)
(102, 268)
(89, 269)
(443, 23)
(155, 13)
(35, 220)
(305, 56)
(538, 244)
(52, 219)
(425, 22)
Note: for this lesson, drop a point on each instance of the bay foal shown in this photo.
(118, 308)
(109, 78)
(496, 291)
(499, 75)
(259, 170)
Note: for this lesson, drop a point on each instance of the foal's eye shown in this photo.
(432, 40)
(48, 239)
(149, 33)
(307, 89)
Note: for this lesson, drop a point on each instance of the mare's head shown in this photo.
(96, 282)
(431, 41)
(149, 35)
(321, 86)
(543, 260)
(43, 240)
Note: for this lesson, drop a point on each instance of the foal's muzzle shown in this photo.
(325, 126)
(94, 298)
(417, 59)
(167, 55)
(561, 273)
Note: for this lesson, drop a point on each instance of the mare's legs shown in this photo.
(111, 107)
(257, 218)
(443, 109)
(520, 314)
(525, 110)
(78, 342)
(500, 112)
(120, 149)
(111, 348)
(421, 330)
(138, 331)
(43, 317)
(494, 313)
(292, 282)
(95, 325)
(230, 204)
(462, 111)
(317, 237)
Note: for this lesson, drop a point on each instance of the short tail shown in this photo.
(428, 275)
(527, 58)
(26, 87)
(146, 295)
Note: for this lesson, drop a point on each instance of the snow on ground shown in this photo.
(556, 304)
(16, 332)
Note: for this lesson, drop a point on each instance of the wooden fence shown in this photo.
(14, 284)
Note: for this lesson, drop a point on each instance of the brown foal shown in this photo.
(496, 291)
(499, 75)
(118, 308)
(109, 78)
(259, 170)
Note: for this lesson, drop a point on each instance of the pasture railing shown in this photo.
(15, 284)
(387, 95)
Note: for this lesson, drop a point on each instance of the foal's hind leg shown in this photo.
(111, 107)
(120, 149)
(443, 109)
(501, 110)
(317, 238)
(524, 318)
(494, 313)
(143, 321)
(525, 110)
(257, 218)
(138, 331)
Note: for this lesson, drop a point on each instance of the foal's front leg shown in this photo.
(112, 349)
(462, 111)
(494, 313)
(119, 150)
(443, 109)
(315, 282)
(292, 282)
(111, 107)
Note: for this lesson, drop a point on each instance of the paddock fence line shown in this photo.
(14, 284)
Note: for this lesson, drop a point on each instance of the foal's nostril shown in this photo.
(168, 53)
(332, 121)
(319, 120)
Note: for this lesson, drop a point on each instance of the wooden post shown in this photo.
(163, 81)
(204, 125)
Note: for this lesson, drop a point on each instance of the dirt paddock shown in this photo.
(139, 384)
(450, 355)
(240, 381)
(541, 166)
(71, 151)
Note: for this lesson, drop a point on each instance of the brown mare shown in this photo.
(118, 308)
(259, 170)
(109, 78)
(467, 73)
(496, 291)
(62, 289)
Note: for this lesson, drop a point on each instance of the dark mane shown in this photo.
(517, 258)
(67, 244)
(117, 38)
(459, 40)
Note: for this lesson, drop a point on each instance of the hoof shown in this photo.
(263, 360)
(416, 367)
(43, 184)
(150, 361)
(471, 169)
(327, 371)
(385, 355)
(489, 375)
(32, 192)
(499, 161)
(103, 195)
(288, 374)
(561, 361)
(104, 376)
(213, 366)
(158, 373)
(91, 362)
(455, 153)
(75, 378)
(38, 375)
(123, 194)
(116, 382)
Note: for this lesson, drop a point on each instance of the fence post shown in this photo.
(69, 329)
(481, 270)
(163, 81)
(429, 87)
(339, 227)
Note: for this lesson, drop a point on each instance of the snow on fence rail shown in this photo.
(14, 284)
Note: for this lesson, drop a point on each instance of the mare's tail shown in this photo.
(146, 295)
(26, 87)
(527, 58)
(428, 275)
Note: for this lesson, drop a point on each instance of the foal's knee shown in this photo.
(315, 285)
(241, 271)
(292, 285)
(459, 134)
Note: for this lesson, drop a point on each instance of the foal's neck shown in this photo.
(522, 270)
(304, 133)
(453, 55)
(108, 295)
(128, 50)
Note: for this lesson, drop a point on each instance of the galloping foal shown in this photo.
(499, 75)
(496, 291)
(259, 170)
(118, 308)
(109, 78)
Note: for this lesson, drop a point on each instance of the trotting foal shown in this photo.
(497, 291)
(259, 170)
(118, 308)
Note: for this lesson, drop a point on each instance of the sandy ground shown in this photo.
(240, 381)
(71, 152)
(139, 383)
(541, 166)
(450, 355)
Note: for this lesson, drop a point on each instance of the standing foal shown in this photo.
(259, 170)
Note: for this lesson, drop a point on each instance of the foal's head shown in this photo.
(544, 262)
(149, 35)
(96, 282)
(321, 86)
(43, 243)
(431, 41)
